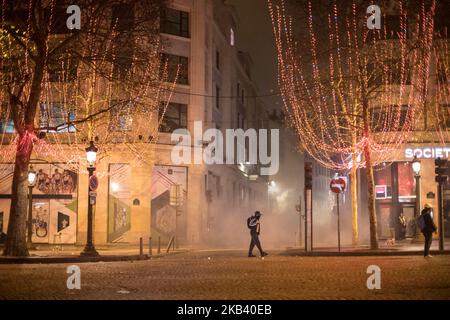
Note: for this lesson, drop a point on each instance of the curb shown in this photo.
(359, 254)
(81, 259)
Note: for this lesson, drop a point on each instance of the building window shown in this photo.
(442, 74)
(175, 22)
(238, 89)
(441, 21)
(57, 20)
(390, 118)
(6, 126)
(173, 63)
(122, 17)
(232, 39)
(217, 59)
(55, 117)
(217, 97)
(62, 69)
(122, 62)
(174, 118)
(243, 96)
(121, 118)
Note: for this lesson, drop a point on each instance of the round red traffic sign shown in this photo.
(337, 185)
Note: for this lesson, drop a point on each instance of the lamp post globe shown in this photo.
(31, 177)
(31, 183)
(416, 166)
(91, 154)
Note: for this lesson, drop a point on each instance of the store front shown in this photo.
(395, 188)
(395, 195)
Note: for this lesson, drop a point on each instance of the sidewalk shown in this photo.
(71, 254)
(400, 248)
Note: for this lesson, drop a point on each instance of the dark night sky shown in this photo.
(255, 35)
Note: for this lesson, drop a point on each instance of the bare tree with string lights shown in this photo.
(62, 89)
(352, 94)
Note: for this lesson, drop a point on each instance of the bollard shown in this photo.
(150, 250)
(159, 245)
(141, 246)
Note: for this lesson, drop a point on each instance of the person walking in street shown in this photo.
(253, 224)
(403, 224)
(427, 226)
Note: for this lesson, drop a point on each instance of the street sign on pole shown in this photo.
(337, 186)
(93, 183)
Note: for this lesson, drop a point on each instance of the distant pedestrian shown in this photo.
(254, 225)
(403, 224)
(427, 226)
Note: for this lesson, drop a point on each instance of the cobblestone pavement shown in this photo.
(231, 275)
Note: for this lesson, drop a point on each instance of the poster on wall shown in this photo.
(6, 176)
(119, 202)
(55, 193)
(163, 214)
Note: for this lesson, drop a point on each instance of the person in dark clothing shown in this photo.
(254, 225)
(402, 225)
(428, 229)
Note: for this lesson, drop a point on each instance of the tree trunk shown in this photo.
(354, 191)
(370, 179)
(16, 241)
(371, 199)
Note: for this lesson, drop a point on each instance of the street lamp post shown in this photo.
(31, 184)
(416, 165)
(91, 156)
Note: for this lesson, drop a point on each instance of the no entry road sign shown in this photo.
(337, 185)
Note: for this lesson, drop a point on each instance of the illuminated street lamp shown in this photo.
(91, 157)
(416, 168)
(31, 183)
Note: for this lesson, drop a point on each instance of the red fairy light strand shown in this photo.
(323, 95)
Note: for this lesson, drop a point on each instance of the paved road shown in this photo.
(231, 275)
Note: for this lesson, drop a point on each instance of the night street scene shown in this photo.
(232, 151)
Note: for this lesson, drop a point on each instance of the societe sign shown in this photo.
(427, 153)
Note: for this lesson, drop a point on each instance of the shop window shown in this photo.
(175, 22)
(383, 183)
(406, 184)
(56, 117)
(175, 117)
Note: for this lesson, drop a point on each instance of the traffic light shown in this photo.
(441, 170)
(308, 175)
